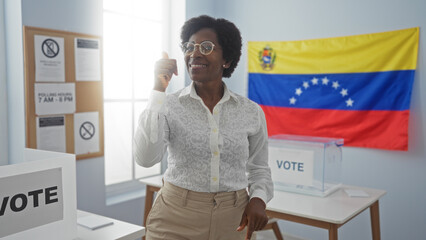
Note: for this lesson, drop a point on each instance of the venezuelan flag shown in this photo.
(356, 87)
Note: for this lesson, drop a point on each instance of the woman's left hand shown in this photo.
(254, 217)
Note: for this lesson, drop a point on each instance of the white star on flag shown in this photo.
(349, 102)
(336, 85)
(325, 81)
(305, 85)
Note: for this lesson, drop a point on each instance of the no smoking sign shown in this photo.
(50, 48)
(87, 130)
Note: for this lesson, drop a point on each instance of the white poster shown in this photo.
(51, 133)
(292, 166)
(86, 132)
(49, 59)
(87, 59)
(54, 98)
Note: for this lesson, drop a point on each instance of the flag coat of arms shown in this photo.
(356, 87)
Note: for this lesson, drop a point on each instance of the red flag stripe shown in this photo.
(376, 129)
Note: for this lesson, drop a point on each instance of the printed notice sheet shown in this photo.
(49, 59)
(86, 132)
(94, 222)
(54, 98)
(51, 133)
(356, 193)
(87, 59)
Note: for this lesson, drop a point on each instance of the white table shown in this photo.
(329, 212)
(119, 230)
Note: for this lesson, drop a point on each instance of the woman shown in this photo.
(213, 138)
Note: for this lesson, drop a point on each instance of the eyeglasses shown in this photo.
(205, 47)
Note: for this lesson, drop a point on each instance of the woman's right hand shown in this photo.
(163, 72)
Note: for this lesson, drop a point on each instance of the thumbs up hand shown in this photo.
(163, 72)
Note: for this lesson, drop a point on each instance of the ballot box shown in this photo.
(38, 197)
(305, 164)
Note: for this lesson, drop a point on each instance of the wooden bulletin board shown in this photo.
(88, 94)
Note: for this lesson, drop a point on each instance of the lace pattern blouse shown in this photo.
(220, 151)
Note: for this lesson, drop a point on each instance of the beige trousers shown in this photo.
(178, 214)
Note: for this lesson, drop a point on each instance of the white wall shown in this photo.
(402, 174)
(4, 159)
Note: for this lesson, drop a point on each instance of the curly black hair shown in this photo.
(228, 35)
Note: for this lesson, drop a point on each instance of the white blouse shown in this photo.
(226, 150)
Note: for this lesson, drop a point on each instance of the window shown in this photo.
(134, 35)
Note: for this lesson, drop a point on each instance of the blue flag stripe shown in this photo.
(343, 91)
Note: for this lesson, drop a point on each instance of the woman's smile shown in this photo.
(195, 66)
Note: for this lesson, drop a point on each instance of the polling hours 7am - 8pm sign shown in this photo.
(54, 98)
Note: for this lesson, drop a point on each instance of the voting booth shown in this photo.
(304, 164)
(38, 197)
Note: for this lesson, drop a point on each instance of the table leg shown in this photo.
(375, 220)
(332, 232)
(277, 231)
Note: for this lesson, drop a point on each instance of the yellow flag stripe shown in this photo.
(376, 52)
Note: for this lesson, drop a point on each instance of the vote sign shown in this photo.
(291, 166)
(30, 200)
